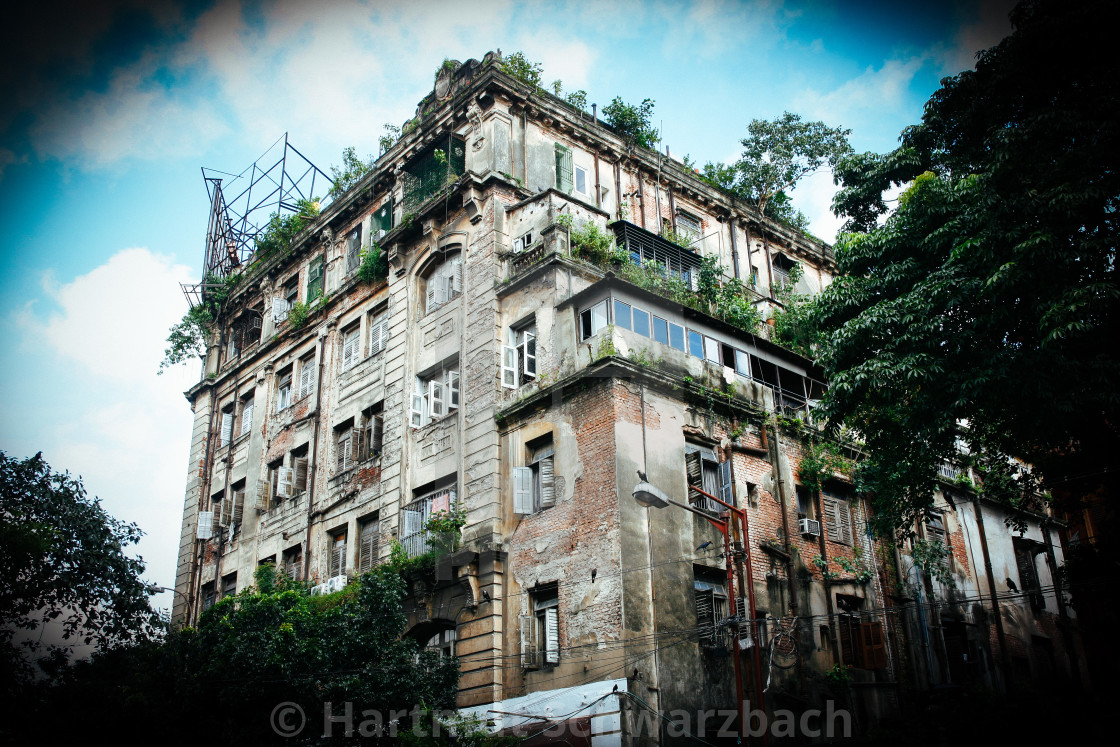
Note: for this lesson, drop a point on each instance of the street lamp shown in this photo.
(651, 496)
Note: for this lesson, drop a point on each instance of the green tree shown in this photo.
(63, 563)
(982, 307)
(632, 122)
(521, 67)
(351, 171)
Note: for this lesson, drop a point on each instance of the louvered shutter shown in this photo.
(522, 490)
(518, 246)
(832, 518)
(227, 511)
(299, 482)
(845, 519)
(563, 169)
(357, 452)
(529, 354)
(456, 277)
(353, 249)
(285, 479)
(264, 494)
(695, 473)
(725, 492)
(705, 615)
(551, 635)
(238, 507)
(548, 491)
(528, 641)
(338, 557)
(247, 416)
(379, 334)
(227, 428)
(350, 350)
(850, 641)
(280, 309)
(305, 379)
(342, 453)
(315, 279)
(509, 367)
(377, 434)
(367, 546)
(417, 415)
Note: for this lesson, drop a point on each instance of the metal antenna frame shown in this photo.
(273, 184)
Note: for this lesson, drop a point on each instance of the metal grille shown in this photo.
(427, 174)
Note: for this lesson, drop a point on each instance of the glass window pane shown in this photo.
(661, 330)
(622, 314)
(641, 322)
(742, 363)
(695, 344)
(711, 350)
(676, 336)
(598, 317)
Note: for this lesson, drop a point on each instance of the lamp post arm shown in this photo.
(733, 509)
(721, 523)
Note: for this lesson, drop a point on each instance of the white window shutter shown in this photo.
(357, 452)
(551, 635)
(436, 403)
(247, 417)
(379, 334)
(509, 367)
(548, 480)
(284, 482)
(522, 490)
(226, 506)
(529, 354)
(452, 390)
(205, 529)
(518, 246)
(725, 493)
(411, 522)
(456, 277)
(377, 433)
(417, 415)
(433, 293)
(264, 493)
(305, 382)
(350, 350)
(342, 449)
(227, 428)
(280, 309)
(299, 482)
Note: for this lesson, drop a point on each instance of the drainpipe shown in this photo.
(618, 188)
(655, 685)
(1003, 653)
(775, 462)
(312, 451)
(598, 189)
(1063, 613)
(641, 195)
(734, 245)
(750, 250)
(833, 632)
(657, 194)
(673, 209)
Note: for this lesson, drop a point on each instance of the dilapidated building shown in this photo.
(558, 310)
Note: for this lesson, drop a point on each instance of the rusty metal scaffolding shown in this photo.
(242, 204)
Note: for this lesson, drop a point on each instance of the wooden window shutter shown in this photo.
(528, 641)
(315, 278)
(529, 354)
(548, 491)
(350, 350)
(247, 416)
(285, 482)
(874, 649)
(264, 494)
(342, 447)
(705, 616)
(338, 557)
(832, 521)
(238, 507)
(227, 428)
(280, 308)
(379, 334)
(522, 490)
(227, 510)
(368, 546)
(850, 640)
(551, 635)
(725, 491)
(299, 482)
(695, 473)
(377, 434)
(845, 520)
(456, 277)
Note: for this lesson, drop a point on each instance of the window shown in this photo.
(306, 375)
(1025, 551)
(804, 503)
(373, 431)
(523, 243)
(218, 506)
(369, 543)
(838, 518)
(534, 485)
(861, 643)
(689, 226)
(415, 518)
(540, 631)
(283, 303)
(272, 485)
(581, 180)
(284, 389)
(229, 585)
(641, 322)
(436, 396)
(351, 347)
(226, 434)
(381, 222)
(660, 330)
(233, 507)
(336, 564)
(378, 331)
(348, 446)
(444, 283)
(291, 290)
(299, 470)
(782, 266)
(353, 249)
(519, 356)
(592, 320)
(293, 562)
(703, 471)
(563, 168)
(710, 588)
(208, 595)
(315, 278)
(443, 643)
(246, 415)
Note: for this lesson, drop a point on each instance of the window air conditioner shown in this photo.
(319, 589)
(337, 583)
(809, 527)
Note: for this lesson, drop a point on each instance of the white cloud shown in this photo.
(813, 196)
(124, 429)
(874, 93)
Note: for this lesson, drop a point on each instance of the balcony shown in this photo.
(430, 172)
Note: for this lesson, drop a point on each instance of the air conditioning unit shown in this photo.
(809, 527)
(320, 589)
(380, 232)
(337, 583)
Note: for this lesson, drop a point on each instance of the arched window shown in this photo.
(437, 635)
(444, 282)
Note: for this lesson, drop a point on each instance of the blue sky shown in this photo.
(110, 113)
